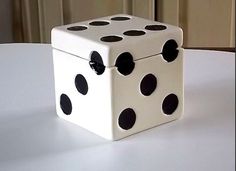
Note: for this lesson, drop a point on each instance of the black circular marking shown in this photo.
(125, 63)
(127, 119)
(65, 104)
(111, 38)
(148, 84)
(77, 28)
(134, 33)
(96, 63)
(99, 23)
(170, 104)
(81, 84)
(120, 18)
(156, 27)
(170, 51)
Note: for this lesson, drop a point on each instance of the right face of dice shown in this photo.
(118, 75)
(149, 96)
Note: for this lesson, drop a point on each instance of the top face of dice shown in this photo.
(107, 38)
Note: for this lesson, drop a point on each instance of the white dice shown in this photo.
(118, 75)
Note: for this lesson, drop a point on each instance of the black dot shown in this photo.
(65, 104)
(125, 63)
(127, 119)
(111, 38)
(120, 18)
(155, 27)
(99, 23)
(134, 33)
(81, 84)
(170, 51)
(170, 104)
(148, 84)
(96, 63)
(77, 28)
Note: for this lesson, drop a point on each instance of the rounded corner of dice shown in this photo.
(114, 95)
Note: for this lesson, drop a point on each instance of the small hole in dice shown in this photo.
(96, 63)
(65, 104)
(170, 51)
(77, 28)
(170, 104)
(111, 38)
(148, 84)
(99, 23)
(156, 27)
(120, 18)
(127, 119)
(125, 64)
(134, 33)
(81, 84)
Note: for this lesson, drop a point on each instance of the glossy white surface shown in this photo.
(32, 137)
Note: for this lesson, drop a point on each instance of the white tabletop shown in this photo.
(32, 137)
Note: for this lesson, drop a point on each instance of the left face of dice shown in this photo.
(113, 74)
(82, 97)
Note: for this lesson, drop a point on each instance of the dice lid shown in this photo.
(101, 41)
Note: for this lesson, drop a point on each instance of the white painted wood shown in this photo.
(111, 92)
(148, 109)
(93, 110)
(81, 43)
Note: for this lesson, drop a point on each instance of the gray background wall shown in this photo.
(6, 21)
(206, 23)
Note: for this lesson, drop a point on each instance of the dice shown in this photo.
(118, 75)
